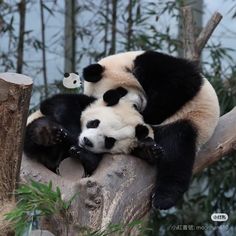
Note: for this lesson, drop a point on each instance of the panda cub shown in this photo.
(80, 126)
(174, 97)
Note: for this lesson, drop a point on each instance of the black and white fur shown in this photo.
(54, 129)
(172, 95)
(83, 127)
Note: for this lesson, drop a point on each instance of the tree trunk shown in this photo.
(43, 49)
(113, 27)
(20, 49)
(15, 91)
(106, 26)
(70, 36)
(197, 7)
(130, 26)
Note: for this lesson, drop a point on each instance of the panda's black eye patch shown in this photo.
(92, 124)
(109, 142)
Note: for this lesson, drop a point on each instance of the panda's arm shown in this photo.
(147, 148)
(89, 160)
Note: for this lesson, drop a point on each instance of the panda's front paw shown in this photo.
(152, 150)
(74, 152)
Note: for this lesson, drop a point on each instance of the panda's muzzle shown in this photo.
(87, 142)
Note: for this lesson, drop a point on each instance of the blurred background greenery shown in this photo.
(44, 39)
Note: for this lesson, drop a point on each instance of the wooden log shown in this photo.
(15, 92)
(120, 189)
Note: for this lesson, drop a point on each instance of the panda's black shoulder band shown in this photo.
(113, 96)
(93, 73)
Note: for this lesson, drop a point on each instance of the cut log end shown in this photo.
(15, 78)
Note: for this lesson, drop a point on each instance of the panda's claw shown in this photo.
(59, 135)
(151, 148)
(74, 151)
(157, 150)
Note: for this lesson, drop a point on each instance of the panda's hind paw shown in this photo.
(162, 202)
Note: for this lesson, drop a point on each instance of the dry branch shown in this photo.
(207, 31)
(193, 47)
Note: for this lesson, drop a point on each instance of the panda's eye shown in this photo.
(92, 124)
(109, 142)
(74, 82)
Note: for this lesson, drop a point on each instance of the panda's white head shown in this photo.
(112, 129)
(72, 80)
(112, 72)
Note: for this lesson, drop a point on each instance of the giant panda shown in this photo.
(173, 97)
(80, 126)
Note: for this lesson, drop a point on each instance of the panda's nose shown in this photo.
(87, 142)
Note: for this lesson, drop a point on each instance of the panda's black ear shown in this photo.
(93, 73)
(66, 75)
(113, 96)
(141, 131)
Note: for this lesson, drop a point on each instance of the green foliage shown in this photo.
(36, 200)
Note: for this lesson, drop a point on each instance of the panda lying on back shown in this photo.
(52, 133)
(172, 95)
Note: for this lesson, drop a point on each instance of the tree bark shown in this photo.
(43, 49)
(15, 91)
(192, 46)
(113, 27)
(20, 49)
(70, 36)
(106, 26)
(197, 7)
(130, 25)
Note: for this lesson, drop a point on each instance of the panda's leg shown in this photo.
(178, 141)
(47, 141)
(89, 160)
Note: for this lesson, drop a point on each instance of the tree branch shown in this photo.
(207, 31)
(120, 189)
(221, 143)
